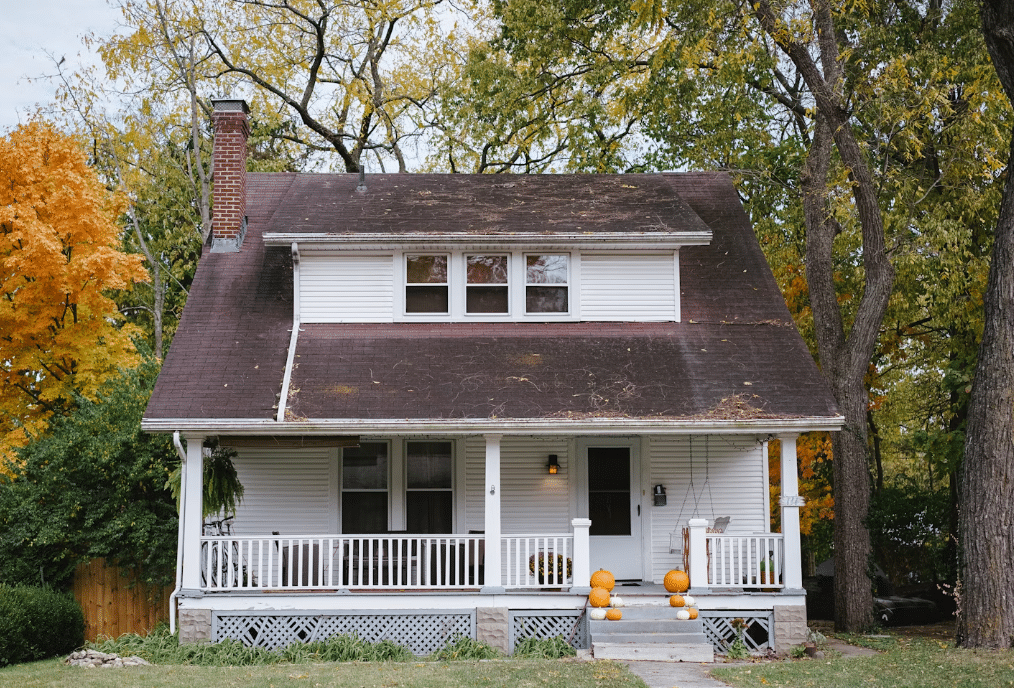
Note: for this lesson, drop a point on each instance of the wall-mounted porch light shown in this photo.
(553, 465)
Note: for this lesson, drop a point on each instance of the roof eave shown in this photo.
(392, 241)
(471, 426)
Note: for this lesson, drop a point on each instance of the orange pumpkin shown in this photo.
(693, 613)
(598, 597)
(614, 615)
(603, 579)
(676, 601)
(676, 581)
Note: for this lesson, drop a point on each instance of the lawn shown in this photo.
(458, 674)
(903, 662)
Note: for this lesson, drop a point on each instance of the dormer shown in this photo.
(479, 248)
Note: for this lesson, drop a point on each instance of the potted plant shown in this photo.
(541, 566)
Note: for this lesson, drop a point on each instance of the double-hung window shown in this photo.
(547, 283)
(486, 288)
(426, 284)
(364, 488)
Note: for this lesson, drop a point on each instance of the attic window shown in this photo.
(426, 284)
(486, 290)
(546, 283)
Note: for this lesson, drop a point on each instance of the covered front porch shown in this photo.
(488, 556)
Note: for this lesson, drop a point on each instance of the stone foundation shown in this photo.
(195, 626)
(491, 626)
(790, 627)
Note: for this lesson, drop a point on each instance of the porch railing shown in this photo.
(745, 561)
(348, 561)
(538, 561)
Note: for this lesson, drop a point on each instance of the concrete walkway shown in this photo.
(675, 674)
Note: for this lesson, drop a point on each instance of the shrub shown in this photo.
(463, 647)
(36, 623)
(544, 648)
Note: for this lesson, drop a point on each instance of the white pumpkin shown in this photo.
(616, 601)
(683, 615)
(688, 600)
(597, 613)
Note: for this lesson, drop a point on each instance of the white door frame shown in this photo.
(638, 516)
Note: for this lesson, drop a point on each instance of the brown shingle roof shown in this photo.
(735, 354)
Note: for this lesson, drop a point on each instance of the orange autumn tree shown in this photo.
(60, 332)
(812, 451)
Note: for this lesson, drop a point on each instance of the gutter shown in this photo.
(179, 540)
(462, 240)
(596, 426)
(293, 338)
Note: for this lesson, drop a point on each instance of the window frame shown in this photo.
(457, 286)
(406, 285)
(566, 284)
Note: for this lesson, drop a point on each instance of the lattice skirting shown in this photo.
(571, 624)
(719, 630)
(421, 632)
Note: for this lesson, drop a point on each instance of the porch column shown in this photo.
(493, 575)
(698, 555)
(790, 502)
(193, 515)
(582, 556)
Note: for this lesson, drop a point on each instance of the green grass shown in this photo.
(902, 663)
(458, 674)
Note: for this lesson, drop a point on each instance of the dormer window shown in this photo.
(486, 288)
(426, 284)
(547, 283)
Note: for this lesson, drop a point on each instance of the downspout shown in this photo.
(179, 541)
(286, 379)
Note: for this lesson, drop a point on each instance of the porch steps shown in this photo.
(651, 633)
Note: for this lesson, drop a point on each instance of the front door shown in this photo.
(614, 509)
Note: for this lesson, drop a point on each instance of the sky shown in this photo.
(31, 28)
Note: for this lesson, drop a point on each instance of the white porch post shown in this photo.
(193, 494)
(790, 502)
(582, 556)
(493, 574)
(698, 555)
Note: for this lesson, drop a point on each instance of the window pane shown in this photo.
(609, 513)
(365, 467)
(425, 299)
(609, 468)
(429, 512)
(426, 269)
(486, 300)
(429, 465)
(487, 269)
(551, 269)
(546, 300)
(364, 512)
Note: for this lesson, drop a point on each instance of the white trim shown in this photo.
(293, 338)
(380, 241)
(676, 282)
(478, 426)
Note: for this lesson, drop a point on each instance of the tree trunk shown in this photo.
(986, 511)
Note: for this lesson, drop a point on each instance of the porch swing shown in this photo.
(679, 538)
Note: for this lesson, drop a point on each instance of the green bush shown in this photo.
(36, 623)
(463, 647)
(556, 647)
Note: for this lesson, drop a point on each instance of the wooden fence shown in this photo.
(113, 604)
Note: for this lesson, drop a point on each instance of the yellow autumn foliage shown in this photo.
(60, 332)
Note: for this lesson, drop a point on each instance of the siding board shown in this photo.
(289, 491)
(337, 288)
(628, 287)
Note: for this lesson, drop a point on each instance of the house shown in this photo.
(453, 397)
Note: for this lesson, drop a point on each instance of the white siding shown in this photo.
(729, 479)
(628, 287)
(335, 288)
(532, 500)
(290, 491)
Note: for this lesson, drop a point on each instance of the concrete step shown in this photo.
(653, 638)
(651, 652)
(645, 625)
(651, 612)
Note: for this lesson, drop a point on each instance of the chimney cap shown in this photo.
(230, 105)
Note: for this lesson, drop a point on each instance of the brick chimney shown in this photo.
(228, 221)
